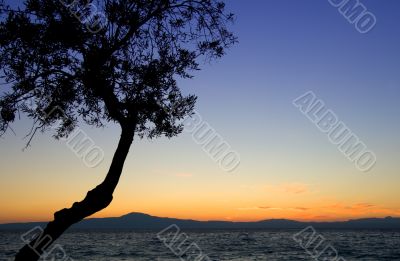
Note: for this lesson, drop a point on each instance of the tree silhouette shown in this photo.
(104, 61)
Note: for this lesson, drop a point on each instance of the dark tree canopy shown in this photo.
(124, 71)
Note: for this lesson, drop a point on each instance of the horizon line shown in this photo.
(227, 221)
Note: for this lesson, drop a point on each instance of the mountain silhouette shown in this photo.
(140, 221)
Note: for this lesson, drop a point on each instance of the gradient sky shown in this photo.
(288, 167)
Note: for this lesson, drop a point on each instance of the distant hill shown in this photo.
(139, 221)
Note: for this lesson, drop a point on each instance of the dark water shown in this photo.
(216, 245)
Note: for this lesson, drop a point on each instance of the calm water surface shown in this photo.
(218, 245)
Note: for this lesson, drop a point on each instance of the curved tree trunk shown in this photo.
(95, 200)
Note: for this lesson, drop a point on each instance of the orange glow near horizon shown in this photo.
(327, 214)
(295, 201)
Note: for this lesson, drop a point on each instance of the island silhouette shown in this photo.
(141, 221)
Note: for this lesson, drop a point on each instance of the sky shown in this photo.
(288, 167)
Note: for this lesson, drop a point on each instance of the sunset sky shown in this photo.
(288, 169)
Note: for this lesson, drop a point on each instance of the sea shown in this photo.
(221, 245)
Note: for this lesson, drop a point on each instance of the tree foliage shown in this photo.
(125, 71)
